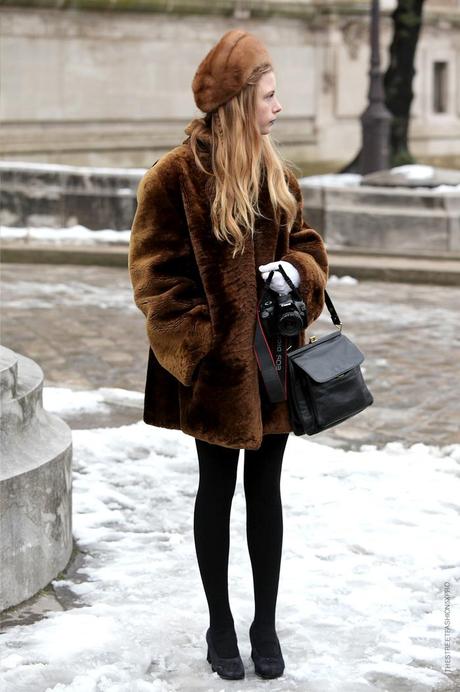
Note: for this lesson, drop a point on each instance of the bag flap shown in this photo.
(328, 357)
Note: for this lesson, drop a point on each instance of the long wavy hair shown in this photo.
(241, 159)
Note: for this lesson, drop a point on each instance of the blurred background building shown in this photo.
(108, 82)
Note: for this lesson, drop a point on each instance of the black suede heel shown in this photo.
(266, 666)
(227, 668)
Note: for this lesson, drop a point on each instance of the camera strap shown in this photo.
(272, 362)
(272, 357)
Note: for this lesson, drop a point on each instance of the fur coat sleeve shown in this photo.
(164, 276)
(307, 253)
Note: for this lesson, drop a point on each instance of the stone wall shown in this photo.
(104, 87)
(372, 216)
(57, 196)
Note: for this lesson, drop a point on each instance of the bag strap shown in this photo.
(332, 311)
(275, 376)
(329, 304)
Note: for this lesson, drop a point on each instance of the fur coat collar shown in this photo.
(200, 304)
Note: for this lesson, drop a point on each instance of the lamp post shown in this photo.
(376, 119)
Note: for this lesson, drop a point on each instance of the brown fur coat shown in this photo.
(200, 304)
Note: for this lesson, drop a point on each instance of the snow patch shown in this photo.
(62, 400)
(349, 280)
(413, 171)
(332, 179)
(370, 538)
(66, 235)
(63, 168)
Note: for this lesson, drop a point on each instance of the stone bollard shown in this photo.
(35, 483)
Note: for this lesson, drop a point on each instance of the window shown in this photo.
(440, 87)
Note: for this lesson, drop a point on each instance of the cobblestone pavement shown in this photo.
(81, 325)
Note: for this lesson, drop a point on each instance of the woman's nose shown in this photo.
(278, 107)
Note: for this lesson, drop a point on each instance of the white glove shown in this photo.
(278, 282)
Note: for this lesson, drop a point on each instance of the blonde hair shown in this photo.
(241, 158)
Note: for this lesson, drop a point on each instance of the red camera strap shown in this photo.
(272, 362)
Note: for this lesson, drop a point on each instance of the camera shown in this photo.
(284, 314)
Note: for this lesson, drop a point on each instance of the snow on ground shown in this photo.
(24, 295)
(46, 294)
(414, 171)
(410, 171)
(64, 168)
(370, 540)
(67, 235)
(349, 280)
(64, 401)
(336, 179)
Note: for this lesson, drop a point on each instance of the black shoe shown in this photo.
(266, 654)
(227, 668)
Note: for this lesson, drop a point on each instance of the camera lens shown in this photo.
(290, 324)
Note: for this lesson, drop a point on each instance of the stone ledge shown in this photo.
(50, 254)
(440, 271)
(384, 218)
(312, 11)
(226, 8)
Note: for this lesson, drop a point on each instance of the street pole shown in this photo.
(376, 119)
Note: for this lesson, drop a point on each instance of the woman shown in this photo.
(214, 216)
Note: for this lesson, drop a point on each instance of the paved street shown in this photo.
(81, 325)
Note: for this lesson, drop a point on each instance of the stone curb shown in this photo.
(371, 266)
(420, 270)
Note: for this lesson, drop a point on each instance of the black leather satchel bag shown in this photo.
(326, 385)
(323, 381)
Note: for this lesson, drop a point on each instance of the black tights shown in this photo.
(264, 531)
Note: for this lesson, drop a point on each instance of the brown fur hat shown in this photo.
(226, 68)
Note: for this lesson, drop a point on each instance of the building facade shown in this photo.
(100, 84)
